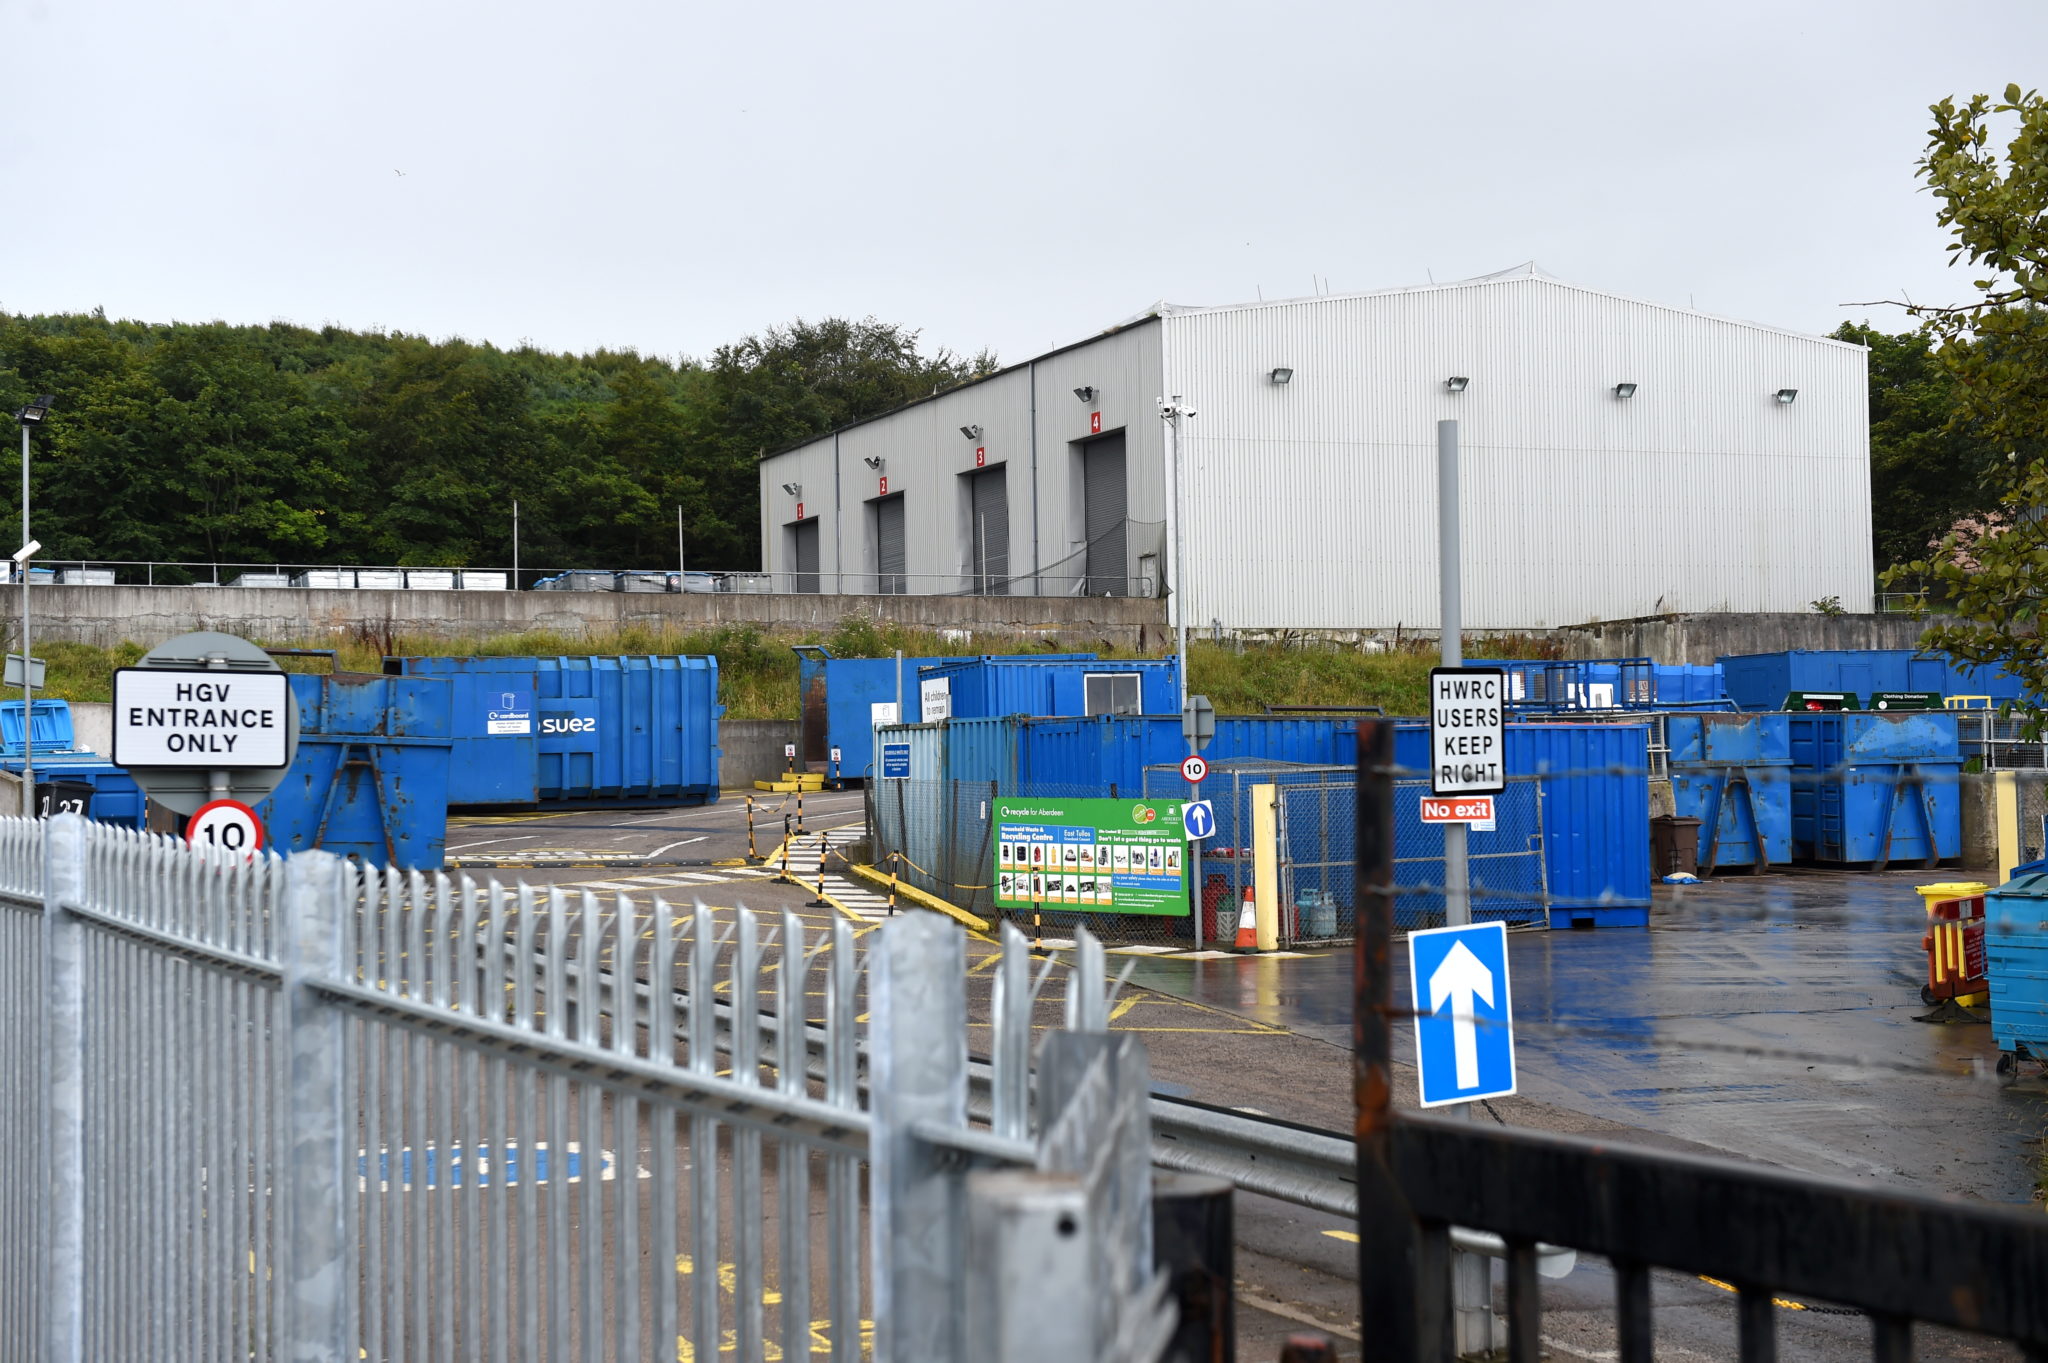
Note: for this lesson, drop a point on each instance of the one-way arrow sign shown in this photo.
(1464, 1033)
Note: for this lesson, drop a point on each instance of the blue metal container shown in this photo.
(1598, 684)
(1040, 684)
(1875, 788)
(371, 776)
(983, 750)
(115, 797)
(602, 728)
(1733, 774)
(836, 704)
(1595, 787)
(2016, 954)
(1082, 756)
(1760, 681)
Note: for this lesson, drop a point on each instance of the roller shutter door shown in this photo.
(990, 500)
(1102, 492)
(806, 556)
(890, 556)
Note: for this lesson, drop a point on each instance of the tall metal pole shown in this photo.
(1457, 870)
(1171, 411)
(28, 700)
(515, 544)
(681, 585)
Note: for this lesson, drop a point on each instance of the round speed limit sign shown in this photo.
(228, 825)
(1193, 769)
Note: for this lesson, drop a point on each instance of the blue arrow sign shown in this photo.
(1464, 1026)
(1198, 819)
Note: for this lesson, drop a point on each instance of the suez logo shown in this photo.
(567, 724)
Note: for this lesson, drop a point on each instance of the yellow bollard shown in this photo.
(892, 883)
(799, 810)
(821, 902)
(752, 855)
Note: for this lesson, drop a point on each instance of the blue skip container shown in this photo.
(371, 777)
(1876, 788)
(78, 779)
(596, 729)
(1733, 774)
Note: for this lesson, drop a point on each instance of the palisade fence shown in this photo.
(297, 1110)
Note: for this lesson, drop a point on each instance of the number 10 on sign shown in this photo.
(228, 825)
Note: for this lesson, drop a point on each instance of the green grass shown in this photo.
(758, 672)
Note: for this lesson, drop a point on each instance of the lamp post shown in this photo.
(31, 415)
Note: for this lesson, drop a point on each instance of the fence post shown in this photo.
(317, 1117)
(63, 1157)
(1387, 1250)
(917, 1040)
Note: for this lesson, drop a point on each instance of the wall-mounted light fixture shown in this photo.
(875, 462)
(1456, 383)
(1281, 375)
(1787, 394)
(33, 411)
(1624, 390)
(793, 489)
(1086, 392)
(971, 432)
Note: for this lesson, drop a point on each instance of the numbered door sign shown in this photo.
(1193, 768)
(228, 825)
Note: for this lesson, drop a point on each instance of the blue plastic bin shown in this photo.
(1733, 774)
(115, 798)
(1871, 788)
(2016, 953)
(371, 777)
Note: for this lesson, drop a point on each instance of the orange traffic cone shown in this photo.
(1247, 924)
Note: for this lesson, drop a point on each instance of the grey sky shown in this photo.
(670, 176)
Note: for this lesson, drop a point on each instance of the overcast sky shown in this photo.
(669, 176)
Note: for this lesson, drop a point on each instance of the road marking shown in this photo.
(667, 846)
(1785, 1302)
(1293, 1313)
(1349, 1237)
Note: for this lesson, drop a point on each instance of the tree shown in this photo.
(1925, 471)
(1995, 204)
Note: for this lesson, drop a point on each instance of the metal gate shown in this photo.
(1104, 511)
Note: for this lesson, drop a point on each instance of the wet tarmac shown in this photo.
(1772, 1017)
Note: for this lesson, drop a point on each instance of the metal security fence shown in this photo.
(297, 1110)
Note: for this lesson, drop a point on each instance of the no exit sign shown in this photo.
(1476, 810)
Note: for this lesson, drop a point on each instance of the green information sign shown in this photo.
(1094, 856)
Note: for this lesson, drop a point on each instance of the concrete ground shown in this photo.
(1769, 1018)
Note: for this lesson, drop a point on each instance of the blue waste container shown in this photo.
(1876, 788)
(2016, 957)
(371, 777)
(114, 798)
(1732, 773)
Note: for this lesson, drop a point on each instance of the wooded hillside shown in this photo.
(253, 444)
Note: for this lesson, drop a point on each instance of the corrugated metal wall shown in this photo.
(1313, 503)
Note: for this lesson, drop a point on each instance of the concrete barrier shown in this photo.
(106, 616)
(751, 750)
(1704, 638)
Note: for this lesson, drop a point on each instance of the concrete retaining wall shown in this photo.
(751, 750)
(148, 615)
(1980, 826)
(1703, 638)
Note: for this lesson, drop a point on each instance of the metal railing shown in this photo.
(1900, 1258)
(2000, 740)
(297, 1110)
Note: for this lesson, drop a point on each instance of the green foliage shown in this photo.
(1927, 467)
(1993, 570)
(1829, 605)
(215, 443)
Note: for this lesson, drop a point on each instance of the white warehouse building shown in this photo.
(1619, 459)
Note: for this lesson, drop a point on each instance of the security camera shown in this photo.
(873, 461)
(793, 489)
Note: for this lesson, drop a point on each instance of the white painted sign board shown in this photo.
(1467, 731)
(881, 712)
(219, 721)
(935, 700)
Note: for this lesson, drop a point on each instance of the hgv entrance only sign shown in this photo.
(1467, 731)
(165, 717)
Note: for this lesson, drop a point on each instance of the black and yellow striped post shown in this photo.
(800, 809)
(785, 847)
(821, 902)
(894, 857)
(752, 855)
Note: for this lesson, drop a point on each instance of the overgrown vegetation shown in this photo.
(757, 670)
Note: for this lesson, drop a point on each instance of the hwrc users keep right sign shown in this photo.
(1467, 731)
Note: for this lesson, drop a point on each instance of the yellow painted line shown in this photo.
(1349, 1237)
(1787, 1303)
(1124, 1006)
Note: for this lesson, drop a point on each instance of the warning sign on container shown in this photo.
(166, 717)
